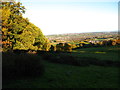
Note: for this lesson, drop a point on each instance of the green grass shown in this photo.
(102, 53)
(68, 76)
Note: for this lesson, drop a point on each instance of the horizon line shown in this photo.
(82, 32)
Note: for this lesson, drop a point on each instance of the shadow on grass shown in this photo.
(28, 65)
(21, 65)
(69, 58)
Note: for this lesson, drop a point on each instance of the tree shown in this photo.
(11, 16)
(18, 32)
(67, 47)
(60, 47)
(53, 48)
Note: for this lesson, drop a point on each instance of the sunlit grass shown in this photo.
(101, 52)
(82, 51)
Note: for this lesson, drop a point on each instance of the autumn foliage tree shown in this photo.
(60, 47)
(18, 32)
(66, 47)
(53, 48)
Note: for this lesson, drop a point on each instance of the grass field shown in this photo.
(102, 53)
(58, 75)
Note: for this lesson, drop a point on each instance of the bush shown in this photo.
(60, 47)
(67, 47)
(65, 58)
(53, 48)
(22, 65)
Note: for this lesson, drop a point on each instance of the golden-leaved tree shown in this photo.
(18, 32)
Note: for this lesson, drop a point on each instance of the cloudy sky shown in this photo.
(72, 16)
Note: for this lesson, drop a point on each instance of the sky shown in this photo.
(72, 16)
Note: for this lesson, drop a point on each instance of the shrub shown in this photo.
(53, 48)
(67, 47)
(65, 58)
(60, 47)
(22, 65)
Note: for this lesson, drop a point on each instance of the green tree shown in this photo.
(60, 47)
(18, 32)
(67, 47)
(53, 48)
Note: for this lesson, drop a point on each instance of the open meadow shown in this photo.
(96, 67)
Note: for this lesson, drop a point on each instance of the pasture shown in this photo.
(60, 73)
